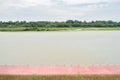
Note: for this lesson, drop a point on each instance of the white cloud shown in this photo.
(84, 1)
(95, 6)
(29, 3)
(58, 9)
(24, 3)
(73, 2)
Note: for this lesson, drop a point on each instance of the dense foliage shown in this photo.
(68, 23)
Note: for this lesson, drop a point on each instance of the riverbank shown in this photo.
(60, 77)
(60, 69)
(59, 29)
(61, 72)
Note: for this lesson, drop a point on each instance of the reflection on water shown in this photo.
(85, 47)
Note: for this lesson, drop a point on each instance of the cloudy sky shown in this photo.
(59, 10)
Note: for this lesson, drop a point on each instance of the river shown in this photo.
(60, 48)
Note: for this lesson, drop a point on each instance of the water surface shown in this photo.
(52, 48)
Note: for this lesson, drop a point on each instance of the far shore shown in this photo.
(60, 29)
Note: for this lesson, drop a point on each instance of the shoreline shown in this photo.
(24, 29)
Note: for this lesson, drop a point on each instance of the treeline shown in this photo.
(68, 23)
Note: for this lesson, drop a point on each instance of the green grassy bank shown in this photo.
(60, 77)
(57, 29)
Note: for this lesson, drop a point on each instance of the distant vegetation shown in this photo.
(56, 26)
(69, 23)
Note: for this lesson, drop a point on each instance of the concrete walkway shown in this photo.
(59, 69)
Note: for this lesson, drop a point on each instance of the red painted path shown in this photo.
(59, 70)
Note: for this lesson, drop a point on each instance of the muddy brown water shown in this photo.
(56, 48)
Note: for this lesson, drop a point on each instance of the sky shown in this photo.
(59, 10)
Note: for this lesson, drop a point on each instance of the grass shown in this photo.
(60, 77)
(57, 29)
